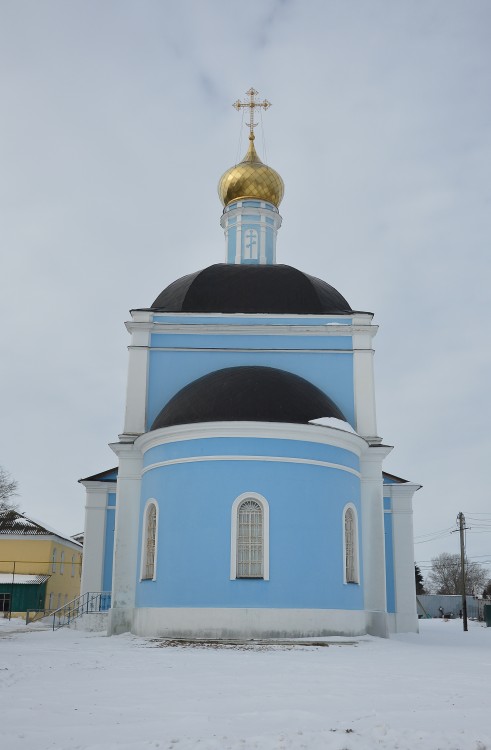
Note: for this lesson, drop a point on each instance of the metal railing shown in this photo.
(88, 603)
(32, 615)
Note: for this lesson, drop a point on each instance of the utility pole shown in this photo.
(461, 522)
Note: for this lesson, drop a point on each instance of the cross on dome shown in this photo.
(252, 104)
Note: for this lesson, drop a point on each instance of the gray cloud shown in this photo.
(116, 115)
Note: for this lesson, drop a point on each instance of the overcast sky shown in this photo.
(116, 124)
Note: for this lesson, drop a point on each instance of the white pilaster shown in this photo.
(136, 389)
(95, 532)
(364, 383)
(125, 537)
(262, 242)
(238, 242)
(406, 617)
(373, 539)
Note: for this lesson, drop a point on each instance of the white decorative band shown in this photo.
(277, 459)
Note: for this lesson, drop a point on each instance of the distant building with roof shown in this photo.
(250, 498)
(40, 568)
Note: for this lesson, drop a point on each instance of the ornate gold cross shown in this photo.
(252, 104)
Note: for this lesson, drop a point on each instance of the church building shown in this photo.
(249, 498)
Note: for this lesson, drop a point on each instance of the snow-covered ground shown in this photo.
(71, 690)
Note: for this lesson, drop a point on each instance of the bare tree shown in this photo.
(445, 576)
(8, 490)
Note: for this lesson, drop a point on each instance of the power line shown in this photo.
(437, 531)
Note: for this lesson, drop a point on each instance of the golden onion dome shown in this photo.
(251, 179)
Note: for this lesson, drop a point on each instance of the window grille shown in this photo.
(62, 563)
(53, 561)
(73, 565)
(350, 546)
(151, 530)
(50, 601)
(59, 601)
(250, 540)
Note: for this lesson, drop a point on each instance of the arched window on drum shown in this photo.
(250, 537)
(250, 540)
(350, 545)
(149, 542)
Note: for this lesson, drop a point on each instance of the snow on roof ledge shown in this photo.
(338, 424)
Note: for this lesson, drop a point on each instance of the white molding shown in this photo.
(310, 433)
(356, 546)
(364, 334)
(233, 533)
(150, 501)
(273, 459)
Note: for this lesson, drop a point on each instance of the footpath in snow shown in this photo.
(71, 690)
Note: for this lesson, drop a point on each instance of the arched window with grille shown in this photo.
(350, 545)
(149, 542)
(250, 537)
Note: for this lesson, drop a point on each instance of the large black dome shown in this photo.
(230, 288)
(247, 394)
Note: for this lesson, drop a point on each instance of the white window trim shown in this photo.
(62, 562)
(149, 502)
(53, 560)
(233, 534)
(356, 546)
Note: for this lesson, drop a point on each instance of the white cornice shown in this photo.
(269, 430)
(401, 490)
(268, 329)
(263, 349)
(125, 450)
(138, 325)
(92, 486)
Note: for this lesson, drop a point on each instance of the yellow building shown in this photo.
(39, 567)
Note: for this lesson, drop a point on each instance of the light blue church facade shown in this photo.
(249, 498)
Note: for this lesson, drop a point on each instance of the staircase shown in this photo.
(89, 603)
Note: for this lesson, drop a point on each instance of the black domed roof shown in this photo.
(230, 288)
(247, 394)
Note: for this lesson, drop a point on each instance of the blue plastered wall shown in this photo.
(306, 504)
(177, 359)
(110, 513)
(389, 556)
